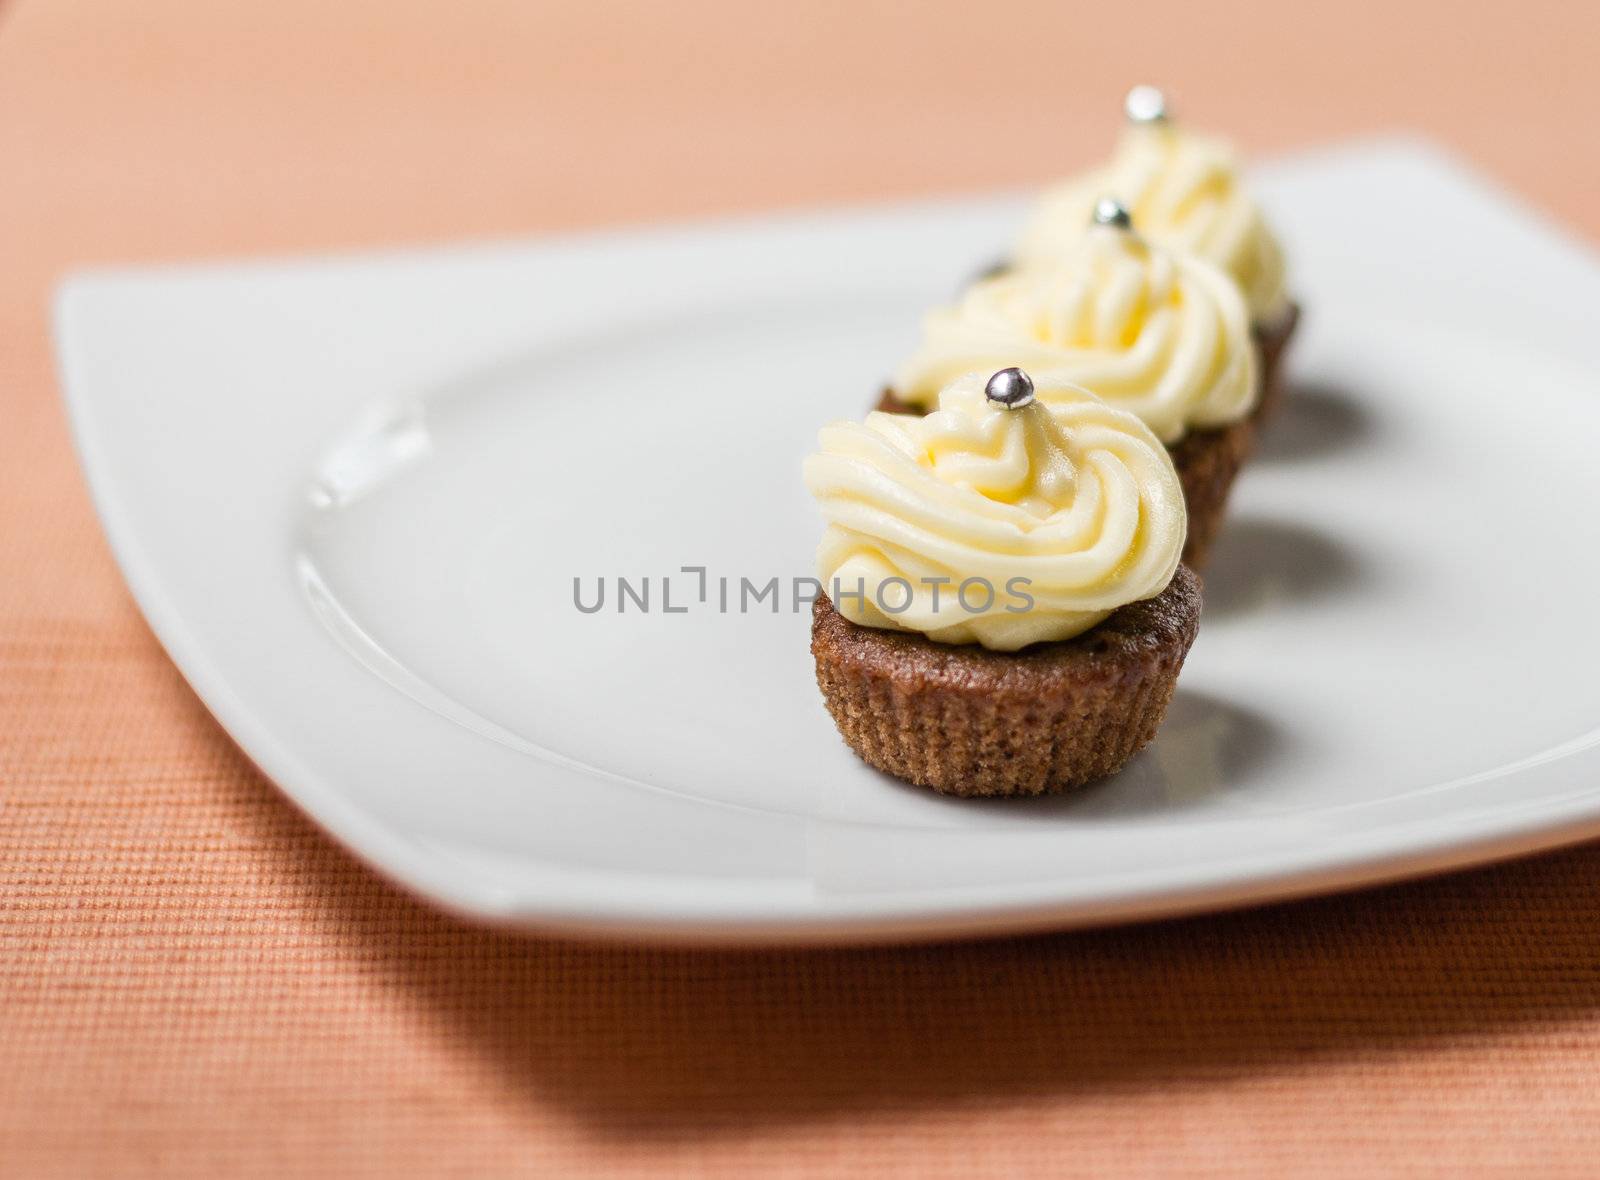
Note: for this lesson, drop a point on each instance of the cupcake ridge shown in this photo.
(1053, 513)
(1159, 333)
(1182, 189)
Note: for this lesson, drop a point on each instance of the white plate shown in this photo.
(351, 496)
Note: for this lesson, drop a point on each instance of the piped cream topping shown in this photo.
(1184, 191)
(1161, 334)
(984, 524)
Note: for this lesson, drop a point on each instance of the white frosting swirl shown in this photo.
(1183, 191)
(1163, 335)
(1074, 508)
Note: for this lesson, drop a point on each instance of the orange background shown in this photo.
(193, 980)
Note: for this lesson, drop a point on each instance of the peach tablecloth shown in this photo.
(194, 981)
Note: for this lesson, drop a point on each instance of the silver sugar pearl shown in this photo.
(1112, 212)
(1145, 104)
(1011, 388)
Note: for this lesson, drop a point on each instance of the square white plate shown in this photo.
(352, 495)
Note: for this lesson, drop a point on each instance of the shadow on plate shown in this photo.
(1315, 419)
(1208, 747)
(1261, 562)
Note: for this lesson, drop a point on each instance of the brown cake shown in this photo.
(1074, 508)
(1207, 462)
(964, 720)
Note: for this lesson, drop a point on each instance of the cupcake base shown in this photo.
(967, 721)
(889, 404)
(1273, 341)
(1207, 462)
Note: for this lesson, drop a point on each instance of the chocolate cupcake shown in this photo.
(1184, 192)
(1005, 611)
(1162, 334)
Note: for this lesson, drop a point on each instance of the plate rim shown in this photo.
(971, 912)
